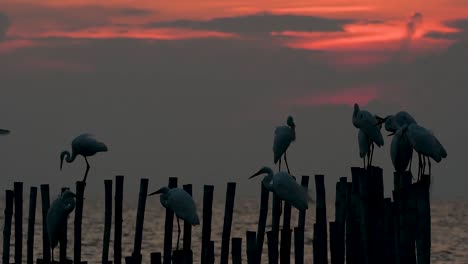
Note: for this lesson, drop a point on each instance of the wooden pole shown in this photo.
(299, 245)
(340, 219)
(80, 186)
(228, 211)
(18, 192)
(334, 252)
(363, 210)
(168, 227)
(388, 234)
(353, 238)
(375, 214)
(262, 219)
(423, 238)
(251, 247)
(206, 228)
(272, 247)
(31, 222)
(209, 254)
(285, 244)
(136, 255)
(9, 197)
(155, 258)
(320, 237)
(236, 251)
(63, 242)
(275, 224)
(107, 220)
(45, 199)
(187, 246)
(119, 183)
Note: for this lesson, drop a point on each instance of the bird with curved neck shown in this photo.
(284, 136)
(181, 203)
(84, 145)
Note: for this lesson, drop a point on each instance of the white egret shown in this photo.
(4, 132)
(425, 144)
(84, 145)
(401, 151)
(284, 135)
(57, 218)
(285, 187)
(181, 203)
(368, 123)
(395, 122)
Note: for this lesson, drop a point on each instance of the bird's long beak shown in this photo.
(61, 163)
(256, 174)
(380, 120)
(156, 192)
(391, 134)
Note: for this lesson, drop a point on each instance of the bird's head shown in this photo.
(264, 170)
(290, 121)
(162, 190)
(68, 194)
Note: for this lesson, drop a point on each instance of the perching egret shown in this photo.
(84, 145)
(284, 135)
(285, 187)
(57, 218)
(425, 144)
(401, 151)
(4, 132)
(181, 203)
(368, 123)
(395, 122)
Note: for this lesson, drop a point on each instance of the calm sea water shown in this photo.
(449, 230)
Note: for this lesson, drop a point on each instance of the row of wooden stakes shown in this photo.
(367, 228)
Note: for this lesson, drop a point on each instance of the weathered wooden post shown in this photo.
(155, 258)
(262, 218)
(354, 251)
(275, 224)
(107, 220)
(320, 228)
(299, 238)
(340, 220)
(45, 199)
(334, 252)
(63, 242)
(18, 192)
(228, 211)
(285, 244)
(206, 228)
(423, 235)
(9, 197)
(31, 222)
(272, 247)
(209, 253)
(119, 183)
(375, 214)
(363, 211)
(187, 246)
(388, 234)
(236, 250)
(80, 186)
(136, 255)
(251, 247)
(168, 227)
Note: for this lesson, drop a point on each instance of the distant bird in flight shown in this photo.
(425, 144)
(57, 218)
(4, 132)
(285, 187)
(84, 145)
(181, 203)
(368, 124)
(284, 135)
(401, 150)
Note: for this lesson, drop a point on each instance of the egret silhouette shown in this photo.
(284, 135)
(401, 151)
(181, 203)
(57, 218)
(285, 187)
(368, 123)
(425, 143)
(84, 145)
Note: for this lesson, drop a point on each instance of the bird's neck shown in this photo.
(69, 157)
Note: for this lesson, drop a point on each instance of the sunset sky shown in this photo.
(194, 89)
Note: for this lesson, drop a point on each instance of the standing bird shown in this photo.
(181, 203)
(285, 187)
(425, 144)
(84, 145)
(4, 132)
(284, 135)
(368, 123)
(57, 218)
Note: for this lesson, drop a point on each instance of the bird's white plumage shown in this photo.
(290, 191)
(182, 204)
(367, 122)
(401, 151)
(284, 135)
(425, 142)
(57, 216)
(395, 122)
(364, 145)
(87, 145)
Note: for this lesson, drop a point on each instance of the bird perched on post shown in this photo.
(57, 218)
(365, 121)
(285, 187)
(84, 145)
(425, 143)
(181, 203)
(284, 135)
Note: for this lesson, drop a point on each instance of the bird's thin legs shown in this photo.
(424, 166)
(279, 165)
(178, 234)
(286, 161)
(87, 169)
(372, 154)
(429, 164)
(420, 166)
